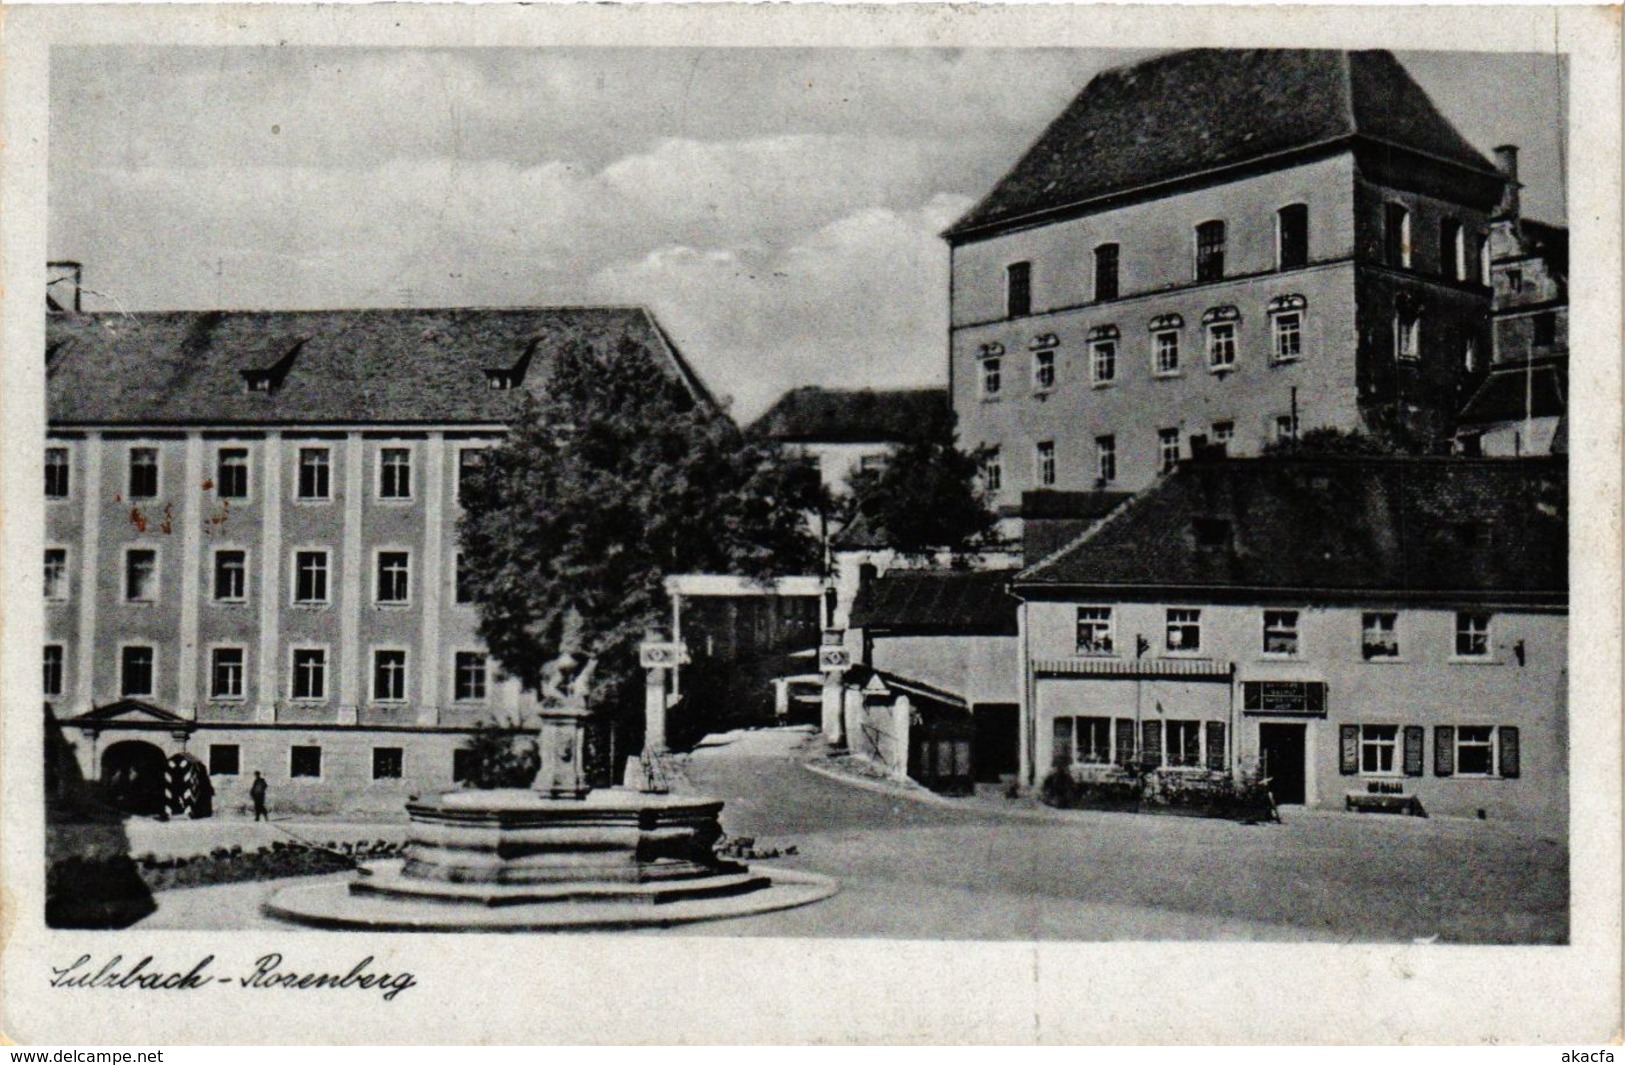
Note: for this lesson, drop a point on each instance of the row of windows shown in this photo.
(1222, 345)
(311, 574)
(1458, 750)
(228, 673)
(1279, 633)
(305, 762)
(1169, 445)
(313, 483)
(1366, 750)
(1209, 240)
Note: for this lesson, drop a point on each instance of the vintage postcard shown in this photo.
(802, 523)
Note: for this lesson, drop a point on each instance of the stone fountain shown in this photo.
(558, 854)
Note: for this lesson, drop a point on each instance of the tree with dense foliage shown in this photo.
(927, 495)
(1325, 440)
(611, 479)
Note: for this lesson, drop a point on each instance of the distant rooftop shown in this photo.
(850, 416)
(1329, 526)
(1186, 113)
(1533, 388)
(967, 601)
(465, 365)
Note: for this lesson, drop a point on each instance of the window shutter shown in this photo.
(1349, 750)
(1061, 750)
(1125, 740)
(1152, 732)
(1508, 760)
(1215, 745)
(1415, 737)
(1444, 750)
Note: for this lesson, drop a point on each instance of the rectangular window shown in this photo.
(1379, 634)
(1092, 740)
(1184, 632)
(56, 574)
(468, 677)
(1280, 632)
(1286, 427)
(1094, 630)
(1452, 250)
(226, 669)
(1167, 450)
(304, 761)
(143, 472)
(1210, 251)
(1515, 280)
(230, 576)
(225, 759)
(470, 460)
(1184, 746)
(309, 673)
(1397, 236)
(1106, 458)
(1165, 346)
(463, 590)
(1104, 361)
(1287, 329)
(315, 473)
(1221, 346)
(1106, 272)
(53, 669)
(395, 473)
(387, 763)
(462, 765)
(1379, 750)
(135, 671)
(993, 471)
(389, 676)
(1292, 236)
(992, 376)
(231, 473)
(1485, 277)
(1221, 434)
(310, 577)
(1408, 335)
(394, 572)
(56, 473)
(1475, 751)
(1044, 370)
(1472, 634)
(140, 575)
(1544, 329)
(1018, 294)
(1045, 461)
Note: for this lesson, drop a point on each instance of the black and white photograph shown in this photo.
(1086, 494)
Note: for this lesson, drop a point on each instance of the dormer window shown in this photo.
(499, 380)
(258, 380)
(1211, 532)
(508, 378)
(267, 379)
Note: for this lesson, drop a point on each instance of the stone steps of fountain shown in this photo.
(387, 879)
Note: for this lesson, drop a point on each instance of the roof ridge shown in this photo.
(1123, 508)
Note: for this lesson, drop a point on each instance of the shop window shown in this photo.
(1184, 744)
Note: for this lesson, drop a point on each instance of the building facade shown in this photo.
(252, 538)
(848, 430)
(1220, 248)
(1365, 633)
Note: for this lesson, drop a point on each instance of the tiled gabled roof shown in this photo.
(967, 601)
(321, 367)
(850, 415)
(1183, 114)
(1333, 526)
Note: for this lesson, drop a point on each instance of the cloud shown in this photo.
(859, 302)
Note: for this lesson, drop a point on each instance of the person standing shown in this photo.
(257, 792)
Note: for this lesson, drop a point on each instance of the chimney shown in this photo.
(62, 280)
(1506, 160)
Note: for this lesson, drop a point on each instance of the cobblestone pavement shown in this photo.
(913, 869)
(920, 869)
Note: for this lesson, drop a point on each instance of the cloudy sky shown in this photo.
(777, 208)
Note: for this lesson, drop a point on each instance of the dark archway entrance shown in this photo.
(134, 773)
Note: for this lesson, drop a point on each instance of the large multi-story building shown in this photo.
(1220, 247)
(1366, 633)
(252, 538)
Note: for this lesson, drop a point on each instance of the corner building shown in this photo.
(251, 546)
(1220, 248)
